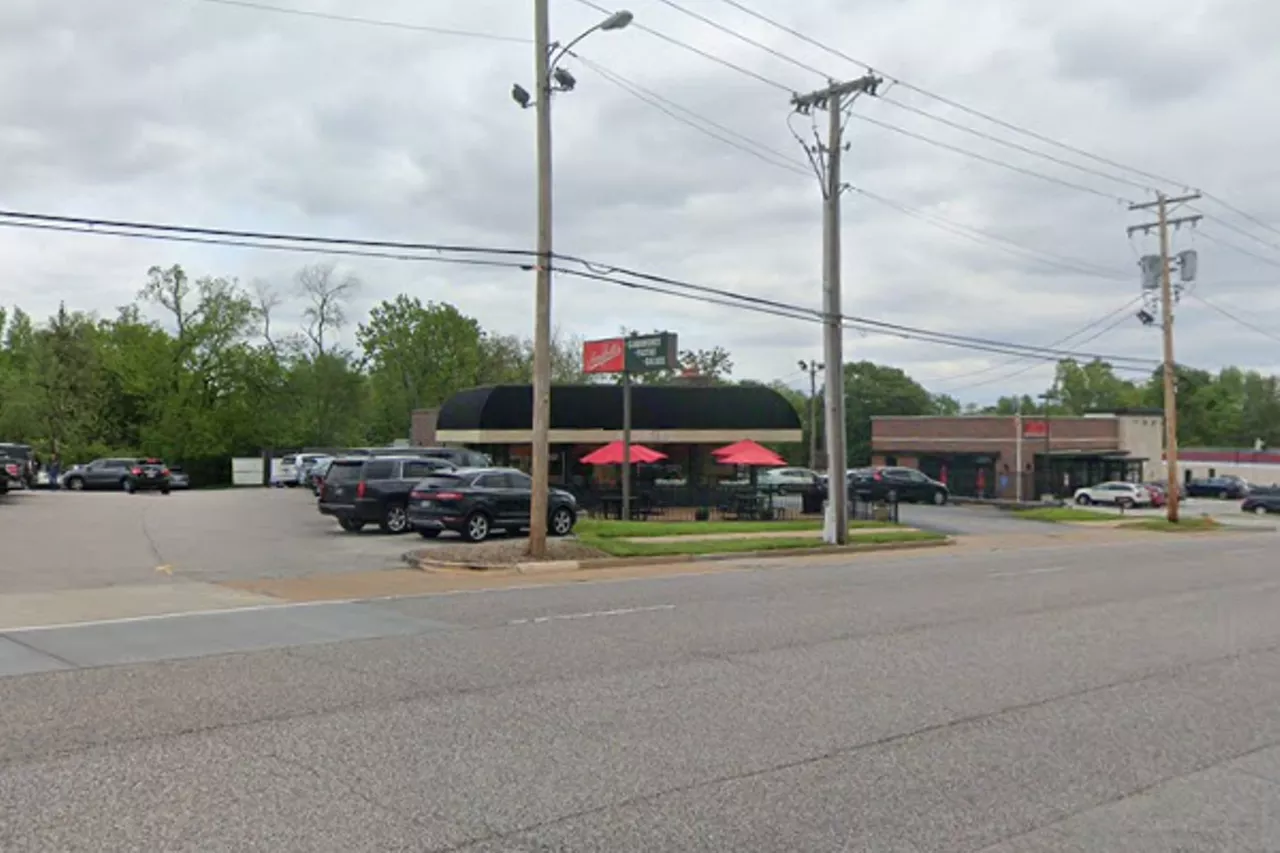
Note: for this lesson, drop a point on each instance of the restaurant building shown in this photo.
(684, 422)
(985, 455)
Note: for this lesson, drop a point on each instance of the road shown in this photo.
(1061, 698)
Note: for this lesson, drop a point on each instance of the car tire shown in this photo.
(1125, 503)
(164, 491)
(939, 498)
(1084, 500)
(128, 487)
(562, 521)
(75, 484)
(477, 527)
(351, 525)
(428, 532)
(395, 519)
(1259, 510)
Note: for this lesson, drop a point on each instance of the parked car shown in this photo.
(1262, 502)
(1227, 487)
(178, 478)
(1115, 493)
(1163, 487)
(148, 475)
(360, 490)
(1158, 495)
(10, 473)
(315, 476)
(789, 480)
(21, 455)
(477, 501)
(894, 483)
(100, 474)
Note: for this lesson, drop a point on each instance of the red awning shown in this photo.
(748, 453)
(611, 454)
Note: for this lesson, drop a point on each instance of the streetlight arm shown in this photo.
(617, 21)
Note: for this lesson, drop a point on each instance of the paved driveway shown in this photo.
(970, 520)
(66, 540)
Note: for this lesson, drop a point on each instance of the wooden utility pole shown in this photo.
(835, 99)
(1162, 223)
(812, 367)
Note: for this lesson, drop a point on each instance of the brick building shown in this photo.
(979, 454)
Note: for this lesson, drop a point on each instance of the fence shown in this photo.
(723, 502)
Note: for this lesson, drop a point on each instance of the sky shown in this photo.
(212, 113)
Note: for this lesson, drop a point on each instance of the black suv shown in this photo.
(364, 490)
(902, 484)
(148, 475)
(1226, 487)
(476, 501)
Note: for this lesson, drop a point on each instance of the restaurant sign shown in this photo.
(638, 354)
(1035, 429)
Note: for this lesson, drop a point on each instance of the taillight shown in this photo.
(360, 489)
(164, 472)
(876, 476)
(417, 496)
(447, 496)
(137, 472)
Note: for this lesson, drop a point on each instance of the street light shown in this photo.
(549, 79)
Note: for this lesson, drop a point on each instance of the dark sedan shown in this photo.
(1225, 488)
(477, 501)
(901, 484)
(1262, 503)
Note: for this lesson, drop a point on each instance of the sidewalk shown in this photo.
(35, 609)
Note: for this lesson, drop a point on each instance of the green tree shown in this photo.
(874, 390)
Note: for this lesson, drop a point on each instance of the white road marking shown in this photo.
(1046, 571)
(622, 611)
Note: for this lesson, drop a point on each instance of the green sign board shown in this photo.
(652, 353)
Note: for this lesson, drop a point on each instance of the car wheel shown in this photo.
(1084, 500)
(1260, 510)
(1222, 496)
(164, 491)
(562, 521)
(351, 525)
(477, 527)
(428, 532)
(75, 484)
(1125, 503)
(395, 519)
(939, 498)
(128, 487)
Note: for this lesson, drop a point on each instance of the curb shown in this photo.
(549, 566)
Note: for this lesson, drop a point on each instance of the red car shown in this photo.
(1158, 497)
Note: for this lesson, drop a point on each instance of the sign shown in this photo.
(605, 356)
(1035, 429)
(638, 354)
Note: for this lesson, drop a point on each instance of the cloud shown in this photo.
(205, 113)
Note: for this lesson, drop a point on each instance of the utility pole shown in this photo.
(812, 367)
(835, 99)
(548, 78)
(1162, 224)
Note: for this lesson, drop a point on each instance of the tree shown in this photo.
(418, 356)
(327, 293)
(1093, 386)
(873, 390)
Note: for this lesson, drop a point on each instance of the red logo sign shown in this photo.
(607, 356)
(1035, 429)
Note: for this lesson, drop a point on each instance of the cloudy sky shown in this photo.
(210, 113)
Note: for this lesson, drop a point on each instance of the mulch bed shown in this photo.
(504, 552)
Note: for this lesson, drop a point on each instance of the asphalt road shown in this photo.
(67, 540)
(1072, 698)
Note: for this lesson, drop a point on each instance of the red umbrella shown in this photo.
(750, 454)
(611, 454)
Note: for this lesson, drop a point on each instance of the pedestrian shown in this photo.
(55, 468)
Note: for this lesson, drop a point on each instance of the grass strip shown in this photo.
(617, 547)
(1163, 525)
(601, 529)
(1062, 514)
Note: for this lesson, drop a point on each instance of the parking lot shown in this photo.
(65, 540)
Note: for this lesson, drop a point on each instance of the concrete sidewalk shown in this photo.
(64, 607)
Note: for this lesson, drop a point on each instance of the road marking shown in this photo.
(622, 611)
(1047, 571)
(166, 568)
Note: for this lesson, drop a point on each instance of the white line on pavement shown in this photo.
(622, 611)
(1045, 571)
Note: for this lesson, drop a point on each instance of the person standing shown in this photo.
(55, 469)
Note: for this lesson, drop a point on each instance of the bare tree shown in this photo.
(266, 299)
(327, 292)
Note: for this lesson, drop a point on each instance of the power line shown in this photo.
(746, 39)
(685, 46)
(1210, 236)
(1230, 316)
(1238, 212)
(372, 22)
(1007, 376)
(648, 281)
(1048, 140)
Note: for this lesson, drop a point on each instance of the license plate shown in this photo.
(424, 504)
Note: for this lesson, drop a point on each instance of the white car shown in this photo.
(789, 479)
(1115, 494)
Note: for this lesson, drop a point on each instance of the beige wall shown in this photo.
(1142, 436)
